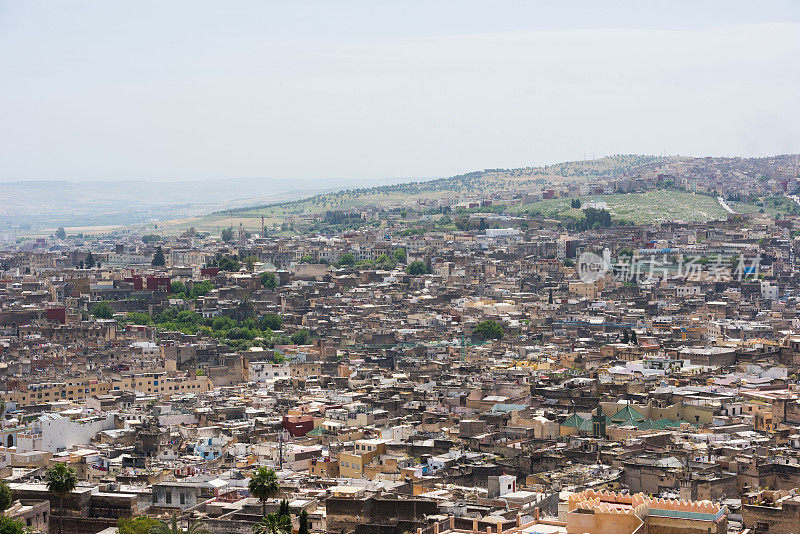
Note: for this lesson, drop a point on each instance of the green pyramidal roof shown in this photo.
(628, 413)
(573, 420)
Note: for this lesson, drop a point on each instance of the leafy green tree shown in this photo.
(303, 529)
(159, 260)
(136, 525)
(347, 260)
(274, 524)
(228, 263)
(149, 239)
(634, 341)
(61, 233)
(269, 280)
(189, 317)
(139, 318)
(60, 480)
(102, 311)
(400, 255)
(177, 288)
(222, 323)
(416, 268)
(11, 526)
(263, 485)
(307, 259)
(200, 289)
(89, 261)
(227, 235)
(300, 337)
(488, 330)
(5, 494)
(270, 322)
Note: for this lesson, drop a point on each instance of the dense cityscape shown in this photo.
(437, 366)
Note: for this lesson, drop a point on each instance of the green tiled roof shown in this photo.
(573, 420)
(627, 413)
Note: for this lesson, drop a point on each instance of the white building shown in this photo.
(267, 371)
(53, 432)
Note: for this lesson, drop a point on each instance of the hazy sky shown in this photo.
(172, 90)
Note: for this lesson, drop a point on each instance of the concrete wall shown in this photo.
(61, 433)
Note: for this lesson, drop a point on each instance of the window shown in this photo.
(183, 498)
(168, 497)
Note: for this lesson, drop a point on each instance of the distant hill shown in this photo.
(40, 207)
(49, 204)
(725, 173)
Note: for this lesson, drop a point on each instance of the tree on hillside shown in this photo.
(300, 337)
(416, 268)
(227, 263)
(269, 280)
(61, 233)
(270, 322)
(488, 330)
(89, 262)
(159, 260)
(347, 260)
(227, 235)
(177, 288)
(102, 311)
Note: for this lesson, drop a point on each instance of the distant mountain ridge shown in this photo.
(49, 203)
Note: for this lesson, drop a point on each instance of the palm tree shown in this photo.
(172, 527)
(264, 484)
(274, 524)
(61, 480)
